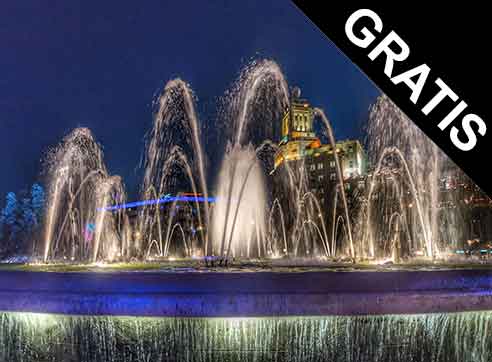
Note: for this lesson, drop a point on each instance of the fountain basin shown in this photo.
(246, 294)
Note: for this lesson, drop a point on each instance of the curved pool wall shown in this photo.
(246, 294)
(463, 337)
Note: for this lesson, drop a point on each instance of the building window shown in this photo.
(332, 164)
(320, 178)
(333, 176)
(320, 166)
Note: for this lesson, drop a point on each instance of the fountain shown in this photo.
(341, 187)
(80, 189)
(174, 122)
(360, 224)
(270, 294)
(239, 213)
(261, 90)
(461, 337)
(399, 148)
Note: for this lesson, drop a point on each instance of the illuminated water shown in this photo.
(174, 151)
(238, 222)
(401, 215)
(78, 226)
(394, 215)
(459, 337)
(341, 188)
(80, 187)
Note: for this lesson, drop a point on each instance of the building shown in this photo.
(303, 165)
(463, 203)
(299, 144)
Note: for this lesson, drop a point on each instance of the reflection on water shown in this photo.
(433, 337)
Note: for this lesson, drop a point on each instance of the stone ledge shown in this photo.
(246, 294)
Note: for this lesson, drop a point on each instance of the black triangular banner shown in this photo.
(429, 62)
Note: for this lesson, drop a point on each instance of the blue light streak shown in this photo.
(165, 199)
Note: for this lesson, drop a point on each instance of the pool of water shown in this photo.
(428, 337)
(267, 265)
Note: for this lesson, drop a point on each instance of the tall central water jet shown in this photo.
(238, 226)
(239, 214)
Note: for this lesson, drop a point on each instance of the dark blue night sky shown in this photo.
(99, 64)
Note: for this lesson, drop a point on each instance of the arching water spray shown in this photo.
(396, 152)
(255, 77)
(175, 108)
(338, 167)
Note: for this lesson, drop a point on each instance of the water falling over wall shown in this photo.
(460, 337)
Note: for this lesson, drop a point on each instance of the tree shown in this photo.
(20, 219)
(1, 226)
(27, 217)
(9, 216)
(9, 212)
(37, 202)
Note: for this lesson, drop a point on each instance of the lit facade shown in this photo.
(300, 143)
(302, 161)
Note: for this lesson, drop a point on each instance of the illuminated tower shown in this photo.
(297, 130)
(299, 142)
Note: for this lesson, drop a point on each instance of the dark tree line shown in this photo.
(20, 220)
